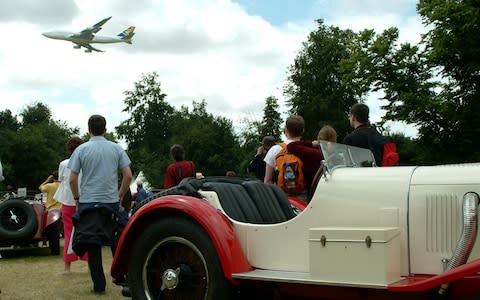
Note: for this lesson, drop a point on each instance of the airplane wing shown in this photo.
(88, 32)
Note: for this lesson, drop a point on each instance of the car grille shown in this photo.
(444, 222)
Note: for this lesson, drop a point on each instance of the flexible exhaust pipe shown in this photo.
(468, 237)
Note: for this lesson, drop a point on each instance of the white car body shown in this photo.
(369, 228)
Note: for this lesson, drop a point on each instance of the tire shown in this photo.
(18, 221)
(177, 248)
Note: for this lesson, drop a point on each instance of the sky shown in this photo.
(231, 53)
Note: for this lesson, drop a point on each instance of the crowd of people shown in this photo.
(267, 165)
(86, 186)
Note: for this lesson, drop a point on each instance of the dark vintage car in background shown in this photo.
(24, 221)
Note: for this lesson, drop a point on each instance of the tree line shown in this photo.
(433, 85)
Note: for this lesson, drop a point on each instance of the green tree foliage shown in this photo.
(453, 47)
(8, 122)
(34, 147)
(150, 114)
(149, 126)
(111, 136)
(154, 126)
(401, 74)
(271, 121)
(8, 131)
(453, 42)
(316, 88)
(337, 68)
(433, 85)
(255, 130)
(208, 140)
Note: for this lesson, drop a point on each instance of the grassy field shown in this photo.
(31, 273)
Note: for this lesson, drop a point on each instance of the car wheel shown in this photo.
(18, 220)
(175, 259)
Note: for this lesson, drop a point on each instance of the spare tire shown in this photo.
(18, 220)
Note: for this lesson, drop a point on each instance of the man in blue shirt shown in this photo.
(99, 160)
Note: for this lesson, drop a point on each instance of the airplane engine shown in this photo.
(88, 50)
(76, 47)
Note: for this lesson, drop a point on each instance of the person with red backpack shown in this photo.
(366, 136)
(179, 169)
(284, 168)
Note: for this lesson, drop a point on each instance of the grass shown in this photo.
(31, 273)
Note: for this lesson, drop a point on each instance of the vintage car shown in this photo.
(404, 232)
(24, 221)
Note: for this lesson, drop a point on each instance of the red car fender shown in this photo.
(422, 283)
(299, 204)
(53, 216)
(39, 209)
(215, 224)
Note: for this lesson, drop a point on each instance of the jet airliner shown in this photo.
(87, 36)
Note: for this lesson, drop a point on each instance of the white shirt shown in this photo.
(272, 154)
(64, 193)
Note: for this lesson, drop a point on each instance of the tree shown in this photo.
(208, 140)
(337, 68)
(154, 126)
(36, 114)
(254, 130)
(271, 121)
(108, 135)
(402, 75)
(8, 130)
(149, 125)
(316, 88)
(453, 48)
(8, 121)
(433, 85)
(34, 147)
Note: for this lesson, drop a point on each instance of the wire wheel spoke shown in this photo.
(176, 270)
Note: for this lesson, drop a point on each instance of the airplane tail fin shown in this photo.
(127, 34)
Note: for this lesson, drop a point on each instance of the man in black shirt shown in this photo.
(362, 134)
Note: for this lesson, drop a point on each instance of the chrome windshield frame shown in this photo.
(337, 155)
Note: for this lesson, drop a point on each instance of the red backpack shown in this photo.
(390, 155)
(384, 150)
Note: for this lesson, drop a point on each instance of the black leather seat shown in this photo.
(235, 201)
(271, 201)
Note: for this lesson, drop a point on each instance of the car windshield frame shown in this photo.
(337, 155)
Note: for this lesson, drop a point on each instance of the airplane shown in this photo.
(87, 36)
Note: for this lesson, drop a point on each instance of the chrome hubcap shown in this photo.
(13, 217)
(170, 279)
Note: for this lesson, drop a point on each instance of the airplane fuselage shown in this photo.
(75, 38)
(87, 36)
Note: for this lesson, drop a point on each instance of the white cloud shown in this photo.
(207, 49)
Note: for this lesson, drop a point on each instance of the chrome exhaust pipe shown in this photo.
(469, 233)
(468, 236)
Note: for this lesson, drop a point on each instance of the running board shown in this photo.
(297, 278)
